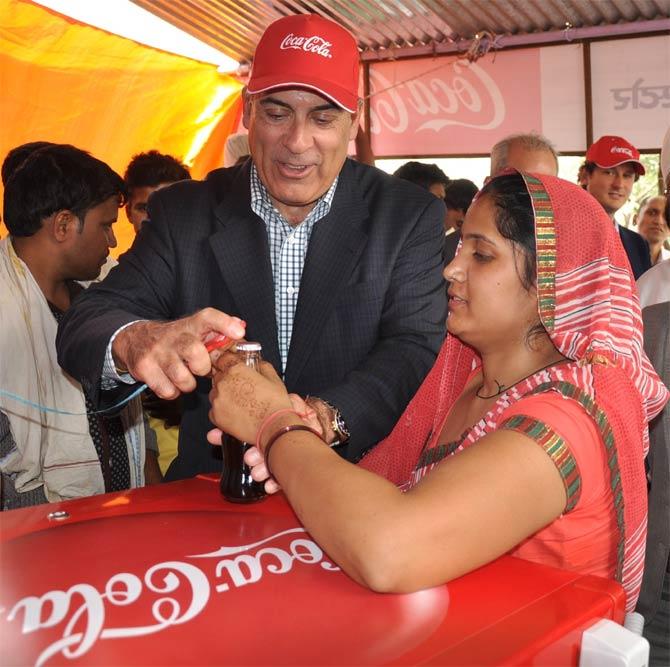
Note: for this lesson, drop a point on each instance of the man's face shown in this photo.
(438, 189)
(454, 219)
(136, 208)
(531, 161)
(88, 249)
(651, 221)
(612, 187)
(298, 142)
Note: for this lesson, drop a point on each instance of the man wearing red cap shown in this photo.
(334, 266)
(612, 167)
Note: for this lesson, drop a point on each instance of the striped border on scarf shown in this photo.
(558, 451)
(545, 244)
(435, 454)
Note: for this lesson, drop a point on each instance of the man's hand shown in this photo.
(168, 355)
(307, 413)
(325, 416)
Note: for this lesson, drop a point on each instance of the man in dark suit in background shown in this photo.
(334, 266)
(612, 167)
(654, 601)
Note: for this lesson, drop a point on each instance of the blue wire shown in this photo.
(44, 408)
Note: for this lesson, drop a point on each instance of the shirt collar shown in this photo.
(261, 201)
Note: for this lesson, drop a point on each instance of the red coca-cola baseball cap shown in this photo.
(308, 51)
(610, 151)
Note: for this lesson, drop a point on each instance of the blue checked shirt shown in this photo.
(288, 249)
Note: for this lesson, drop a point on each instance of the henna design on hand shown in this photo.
(243, 394)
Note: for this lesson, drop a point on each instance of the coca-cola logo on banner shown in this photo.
(446, 105)
(461, 94)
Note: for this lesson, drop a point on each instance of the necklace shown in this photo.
(502, 387)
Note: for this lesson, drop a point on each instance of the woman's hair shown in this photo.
(515, 221)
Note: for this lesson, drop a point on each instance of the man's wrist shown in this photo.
(112, 364)
(334, 427)
(119, 347)
(342, 433)
(119, 367)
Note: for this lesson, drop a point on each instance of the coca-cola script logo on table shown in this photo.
(125, 593)
(235, 567)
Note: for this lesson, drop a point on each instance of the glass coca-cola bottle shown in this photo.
(237, 484)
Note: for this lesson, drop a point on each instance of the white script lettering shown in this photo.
(436, 101)
(313, 44)
(181, 592)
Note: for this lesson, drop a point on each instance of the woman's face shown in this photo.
(489, 308)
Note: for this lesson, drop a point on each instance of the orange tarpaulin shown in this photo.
(65, 82)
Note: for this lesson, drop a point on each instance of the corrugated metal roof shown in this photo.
(391, 26)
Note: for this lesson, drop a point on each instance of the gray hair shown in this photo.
(531, 142)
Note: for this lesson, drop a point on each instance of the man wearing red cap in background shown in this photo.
(334, 266)
(612, 167)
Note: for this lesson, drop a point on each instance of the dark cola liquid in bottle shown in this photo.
(237, 484)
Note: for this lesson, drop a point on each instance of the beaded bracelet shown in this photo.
(269, 419)
(283, 431)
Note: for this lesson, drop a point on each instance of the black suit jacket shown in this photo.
(637, 250)
(371, 308)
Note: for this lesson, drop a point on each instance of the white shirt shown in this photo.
(663, 255)
(654, 285)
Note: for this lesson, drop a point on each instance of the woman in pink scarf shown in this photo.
(527, 437)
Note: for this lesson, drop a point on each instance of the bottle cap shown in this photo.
(248, 346)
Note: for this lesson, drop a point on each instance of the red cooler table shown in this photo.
(173, 574)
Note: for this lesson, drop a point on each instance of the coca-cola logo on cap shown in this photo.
(313, 44)
(622, 149)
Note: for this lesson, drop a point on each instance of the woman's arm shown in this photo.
(472, 508)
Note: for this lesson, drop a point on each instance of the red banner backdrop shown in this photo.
(448, 106)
